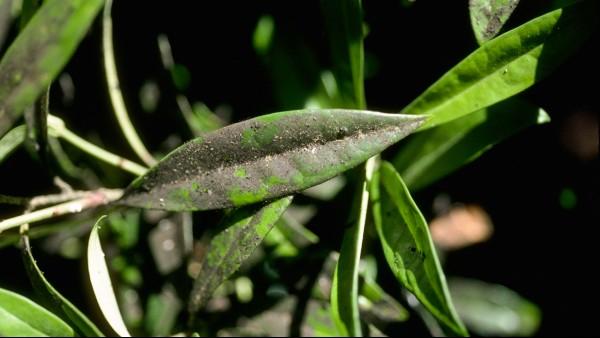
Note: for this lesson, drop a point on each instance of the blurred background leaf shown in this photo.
(494, 310)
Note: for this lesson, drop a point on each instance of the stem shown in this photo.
(91, 200)
(114, 89)
(58, 126)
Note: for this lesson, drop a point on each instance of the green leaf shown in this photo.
(266, 157)
(345, 285)
(101, 285)
(20, 317)
(242, 231)
(437, 152)
(59, 304)
(40, 52)
(506, 65)
(408, 247)
(494, 310)
(344, 21)
(488, 17)
(10, 141)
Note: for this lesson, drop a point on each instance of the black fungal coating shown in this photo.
(493, 18)
(240, 237)
(266, 157)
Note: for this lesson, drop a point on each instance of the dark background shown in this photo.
(540, 249)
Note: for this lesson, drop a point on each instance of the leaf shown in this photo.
(437, 152)
(506, 65)
(243, 230)
(59, 304)
(21, 317)
(10, 141)
(494, 310)
(266, 157)
(345, 285)
(408, 247)
(344, 21)
(488, 17)
(40, 52)
(100, 279)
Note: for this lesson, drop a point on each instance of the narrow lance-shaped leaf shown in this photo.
(266, 157)
(494, 310)
(488, 17)
(101, 284)
(242, 231)
(20, 317)
(507, 65)
(39, 53)
(408, 247)
(435, 153)
(59, 304)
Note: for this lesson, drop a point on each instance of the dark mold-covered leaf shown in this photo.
(40, 52)
(242, 231)
(266, 157)
(488, 17)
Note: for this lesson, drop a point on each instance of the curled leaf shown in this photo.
(409, 250)
(100, 279)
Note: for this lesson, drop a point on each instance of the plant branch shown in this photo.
(58, 127)
(114, 89)
(91, 200)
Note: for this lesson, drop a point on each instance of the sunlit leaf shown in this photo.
(39, 53)
(242, 231)
(435, 153)
(20, 317)
(488, 17)
(507, 65)
(101, 284)
(59, 304)
(266, 157)
(494, 310)
(408, 247)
